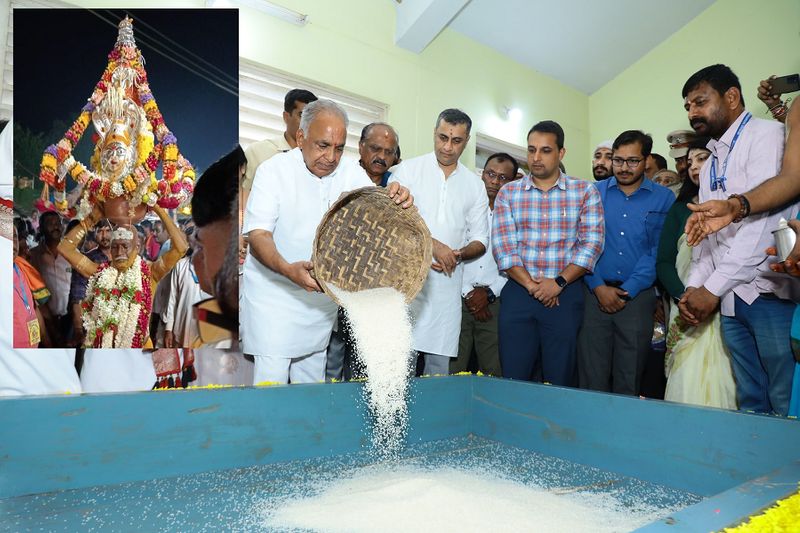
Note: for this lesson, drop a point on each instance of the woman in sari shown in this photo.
(697, 362)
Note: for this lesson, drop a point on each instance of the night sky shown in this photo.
(59, 55)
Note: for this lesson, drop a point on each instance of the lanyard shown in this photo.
(191, 271)
(720, 181)
(19, 287)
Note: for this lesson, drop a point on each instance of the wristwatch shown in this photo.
(490, 295)
(561, 282)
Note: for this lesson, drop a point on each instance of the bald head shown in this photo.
(378, 149)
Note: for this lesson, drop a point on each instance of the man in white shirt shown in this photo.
(452, 201)
(57, 273)
(286, 320)
(730, 269)
(258, 152)
(482, 284)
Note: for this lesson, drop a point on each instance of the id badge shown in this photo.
(34, 335)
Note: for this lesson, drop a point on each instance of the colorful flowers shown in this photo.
(155, 144)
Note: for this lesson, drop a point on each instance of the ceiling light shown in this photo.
(514, 114)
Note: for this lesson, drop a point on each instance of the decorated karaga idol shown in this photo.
(120, 184)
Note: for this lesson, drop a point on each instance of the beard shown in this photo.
(600, 173)
(713, 126)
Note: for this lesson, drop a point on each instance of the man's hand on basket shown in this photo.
(446, 259)
(400, 195)
(300, 274)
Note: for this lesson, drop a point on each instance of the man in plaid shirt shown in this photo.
(548, 231)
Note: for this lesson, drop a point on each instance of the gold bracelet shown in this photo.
(82, 264)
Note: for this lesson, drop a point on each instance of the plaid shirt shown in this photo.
(544, 231)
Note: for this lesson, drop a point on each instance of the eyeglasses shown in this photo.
(492, 175)
(631, 162)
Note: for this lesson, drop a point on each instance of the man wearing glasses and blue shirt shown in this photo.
(614, 340)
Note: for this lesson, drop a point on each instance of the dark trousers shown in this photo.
(480, 338)
(537, 342)
(613, 347)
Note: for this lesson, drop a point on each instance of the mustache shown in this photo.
(379, 161)
(698, 121)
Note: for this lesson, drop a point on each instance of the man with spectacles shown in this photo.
(731, 266)
(614, 341)
(601, 161)
(547, 232)
(480, 290)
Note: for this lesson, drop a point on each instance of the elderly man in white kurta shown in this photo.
(452, 200)
(286, 320)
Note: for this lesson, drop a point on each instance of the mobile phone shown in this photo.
(785, 84)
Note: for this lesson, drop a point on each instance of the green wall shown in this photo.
(349, 44)
(754, 38)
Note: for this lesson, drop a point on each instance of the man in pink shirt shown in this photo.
(730, 268)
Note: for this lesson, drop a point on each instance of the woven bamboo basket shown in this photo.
(366, 241)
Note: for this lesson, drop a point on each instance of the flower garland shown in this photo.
(116, 310)
(783, 516)
(125, 64)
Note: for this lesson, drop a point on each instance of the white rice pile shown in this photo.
(408, 499)
(381, 328)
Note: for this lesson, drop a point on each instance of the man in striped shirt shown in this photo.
(548, 231)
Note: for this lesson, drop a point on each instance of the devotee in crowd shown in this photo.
(256, 153)
(601, 161)
(730, 269)
(698, 366)
(28, 321)
(615, 339)
(77, 288)
(480, 289)
(57, 273)
(548, 232)
(151, 244)
(669, 179)
(23, 372)
(378, 151)
(127, 272)
(653, 164)
(453, 203)
(215, 203)
(180, 325)
(286, 320)
(678, 150)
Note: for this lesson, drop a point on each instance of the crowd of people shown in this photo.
(543, 276)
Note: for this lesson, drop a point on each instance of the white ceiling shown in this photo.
(582, 43)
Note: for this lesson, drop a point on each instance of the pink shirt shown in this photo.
(732, 261)
(24, 311)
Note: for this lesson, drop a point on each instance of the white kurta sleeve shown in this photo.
(478, 219)
(263, 205)
(172, 301)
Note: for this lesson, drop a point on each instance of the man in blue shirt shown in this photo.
(614, 340)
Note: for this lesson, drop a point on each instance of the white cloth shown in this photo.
(455, 210)
(305, 369)
(483, 272)
(115, 370)
(732, 261)
(57, 274)
(34, 371)
(184, 292)
(278, 317)
(221, 367)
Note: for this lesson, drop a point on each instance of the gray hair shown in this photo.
(368, 129)
(312, 110)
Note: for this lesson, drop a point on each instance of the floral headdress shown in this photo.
(126, 118)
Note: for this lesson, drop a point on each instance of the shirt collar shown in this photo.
(561, 183)
(727, 137)
(647, 183)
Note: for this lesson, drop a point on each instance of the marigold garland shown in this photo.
(783, 516)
